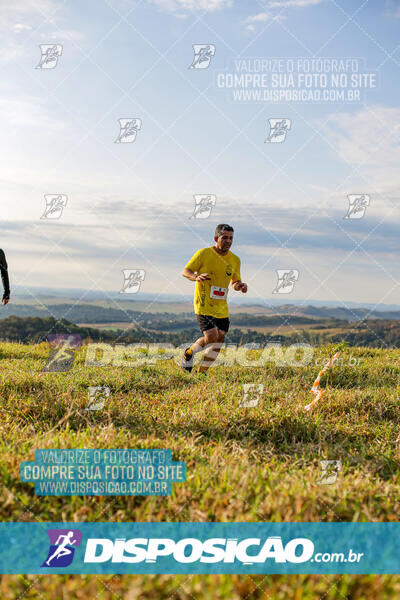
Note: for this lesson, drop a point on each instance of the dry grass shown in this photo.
(254, 464)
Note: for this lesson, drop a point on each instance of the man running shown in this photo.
(212, 269)
(4, 277)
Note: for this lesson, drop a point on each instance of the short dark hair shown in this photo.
(222, 227)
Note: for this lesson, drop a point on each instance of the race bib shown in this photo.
(218, 293)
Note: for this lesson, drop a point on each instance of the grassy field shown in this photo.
(243, 464)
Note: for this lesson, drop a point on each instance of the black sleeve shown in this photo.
(4, 274)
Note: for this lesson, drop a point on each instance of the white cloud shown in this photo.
(21, 27)
(34, 19)
(275, 4)
(18, 19)
(292, 3)
(182, 7)
(369, 141)
(25, 13)
(262, 17)
(27, 111)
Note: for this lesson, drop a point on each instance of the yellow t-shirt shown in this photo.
(210, 296)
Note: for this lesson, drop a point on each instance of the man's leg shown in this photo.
(205, 322)
(197, 346)
(189, 352)
(214, 339)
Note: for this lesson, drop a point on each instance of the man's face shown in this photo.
(224, 241)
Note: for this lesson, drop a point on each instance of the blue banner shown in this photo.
(150, 548)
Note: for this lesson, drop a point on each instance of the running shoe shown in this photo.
(187, 360)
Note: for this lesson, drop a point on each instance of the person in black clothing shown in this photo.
(4, 277)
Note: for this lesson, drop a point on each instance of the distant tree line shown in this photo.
(374, 333)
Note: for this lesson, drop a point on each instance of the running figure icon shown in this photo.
(62, 549)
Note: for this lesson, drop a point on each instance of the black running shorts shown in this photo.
(207, 322)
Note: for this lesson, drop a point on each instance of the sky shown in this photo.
(131, 205)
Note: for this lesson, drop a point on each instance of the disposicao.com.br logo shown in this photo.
(191, 550)
(168, 553)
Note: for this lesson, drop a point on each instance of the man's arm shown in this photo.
(4, 277)
(189, 274)
(239, 286)
(193, 277)
(236, 280)
(193, 266)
